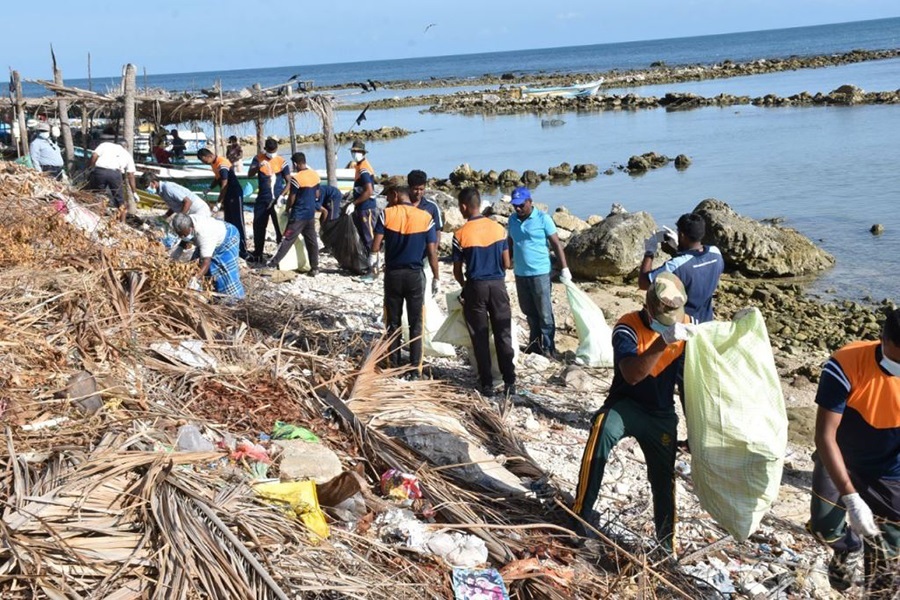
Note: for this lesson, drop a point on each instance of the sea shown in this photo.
(829, 172)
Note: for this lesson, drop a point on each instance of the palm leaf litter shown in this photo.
(99, 501)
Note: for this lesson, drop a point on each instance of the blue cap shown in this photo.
(520, 195)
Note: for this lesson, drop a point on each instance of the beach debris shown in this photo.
(458, 549)
(287, 431)
(189, 439)
(81, 388)
(876, 229)
(300, 459)
(298, 497)
(186, 352)
(469, 584)
(400, 486)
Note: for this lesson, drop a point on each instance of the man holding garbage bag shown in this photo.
(530, 231)
(648, 350)
(856, 473)
(698, 266)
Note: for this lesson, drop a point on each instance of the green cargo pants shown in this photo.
(655, 432)
(828, 523)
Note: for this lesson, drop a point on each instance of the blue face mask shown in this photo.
(657, 326)
(150, 190)
(188, 238)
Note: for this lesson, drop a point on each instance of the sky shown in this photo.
(184, 36)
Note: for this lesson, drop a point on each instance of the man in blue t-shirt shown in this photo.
(697, 266)
(530, 230)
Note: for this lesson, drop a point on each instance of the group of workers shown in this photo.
(855, 506)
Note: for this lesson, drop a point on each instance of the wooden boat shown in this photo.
(579, 90)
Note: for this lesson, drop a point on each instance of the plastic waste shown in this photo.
(247, 190)
(296, 260)
(342, 240)
(458, 549)
(300, 498)
(400, 486)
(736, 421)
(401, 525)
(286, 431)
(434, 320)
(594, 335)
(487, 584)
(189, 439)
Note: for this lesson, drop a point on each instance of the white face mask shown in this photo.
(270, 155)
(358, 156)
(890, 366)
(44, 135)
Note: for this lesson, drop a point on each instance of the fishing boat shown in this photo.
(578, 90)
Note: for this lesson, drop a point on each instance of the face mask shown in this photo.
(657, 326)
(890, 366)
(188, 238)
(150, 190)
(270, 155)
(358, 156)
(44, 135)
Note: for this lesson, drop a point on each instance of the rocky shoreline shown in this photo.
(656, 73)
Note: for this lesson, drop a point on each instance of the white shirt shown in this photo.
(174, 195)
(209, 233)
(115, 157)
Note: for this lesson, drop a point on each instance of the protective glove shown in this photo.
(679, 332)
(859, 515)
(669, 237)
(565, 276)
(194, 284)
(372, 260)
(435, 287)
(651, 244)
(136, 198)
(348, 210)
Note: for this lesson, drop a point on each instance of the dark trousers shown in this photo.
(54, 172)
(263, 210)
(102, 180)
(487, 303)
(535, 302)
(364, 219)
(828, 522)
(307, 227)
(405, 286)
(233, 210)
(655, 432)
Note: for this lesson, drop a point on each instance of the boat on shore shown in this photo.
(578, 90)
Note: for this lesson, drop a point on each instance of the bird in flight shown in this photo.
(430, 25)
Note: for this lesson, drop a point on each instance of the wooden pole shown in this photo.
(20, 114)
(292, 130)
(90, 82)
(63, 109)
(327, 116)
(130, 83)
(217, 129)
(259, 121)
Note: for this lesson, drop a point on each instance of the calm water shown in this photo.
(829, 172)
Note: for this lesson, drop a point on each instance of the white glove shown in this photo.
(348, 210)
(651, 244)
(264, 163)
(435, 287)
(565, 276)
(669, 237)
(859, 515)
(679, 332)
(194, 284)
(136, 197)
(372, 260)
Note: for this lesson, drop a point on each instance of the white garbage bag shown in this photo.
(594, 335)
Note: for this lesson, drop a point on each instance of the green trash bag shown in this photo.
(594, 335)
(736, 421)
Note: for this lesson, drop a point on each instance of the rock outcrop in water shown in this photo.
(612, 248)
(756, 249)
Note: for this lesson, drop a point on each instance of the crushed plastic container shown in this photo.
(190, 439)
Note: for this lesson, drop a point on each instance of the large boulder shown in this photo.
(757, 249)
(566, 220)
(462, 175)
(612, 248)
(449, 206)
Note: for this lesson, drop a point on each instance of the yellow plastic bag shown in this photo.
(300, 498)
(736, 421)
(296, 260)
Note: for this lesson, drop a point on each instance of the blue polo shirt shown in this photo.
(699, 271)
(531, 254)
(479, 244)
(331, 197)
